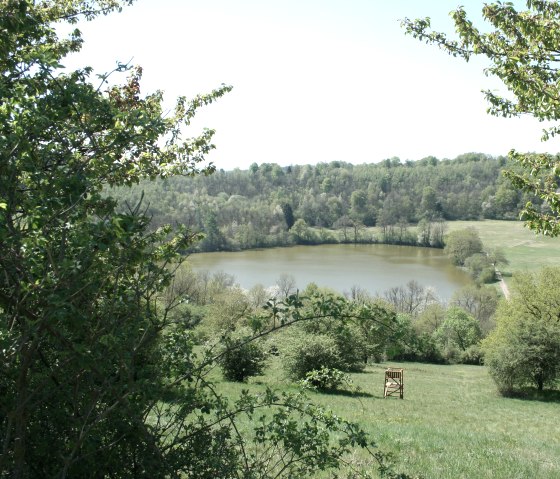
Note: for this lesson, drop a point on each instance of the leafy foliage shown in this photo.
(523, 54)
(326, 379)
(242, 357)
(98, 375)
(480, 302)
(461, 244)
(458, 330)
(250, 207)
(524, 349)
(311, 352)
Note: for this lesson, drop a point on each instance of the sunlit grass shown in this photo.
(523, 249)
(450, 424)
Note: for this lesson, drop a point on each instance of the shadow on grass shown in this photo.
(341, 392)
(551, 395)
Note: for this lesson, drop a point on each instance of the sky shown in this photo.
(313, 80)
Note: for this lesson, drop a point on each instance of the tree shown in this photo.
(411, 299)
(523, 53)
(286, 284)
(429, 204)
(458, 332)
(288, 215)
(96, 378)
(524, 349)
(480, 302)
(301, 233)
(481, 268)
(460, 244)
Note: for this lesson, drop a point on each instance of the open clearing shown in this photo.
(523, 248)
(451, 423)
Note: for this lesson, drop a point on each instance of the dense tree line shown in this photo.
(270, 205)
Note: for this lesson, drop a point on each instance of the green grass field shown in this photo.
(450, 424)
(523, 248)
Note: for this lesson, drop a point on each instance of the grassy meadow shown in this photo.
(523, 248)
(450, 424)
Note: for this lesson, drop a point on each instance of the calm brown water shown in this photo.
(374, 268)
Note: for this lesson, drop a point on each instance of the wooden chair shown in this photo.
(394, 382)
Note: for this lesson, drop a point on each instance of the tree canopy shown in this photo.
(524, 349)
(522, 48)
(462, 244)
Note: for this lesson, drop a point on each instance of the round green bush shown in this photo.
(242, 358)
(310, 352)
(325, 379)
(472, 355)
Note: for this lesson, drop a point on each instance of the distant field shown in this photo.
(451, 423)
(522, 248)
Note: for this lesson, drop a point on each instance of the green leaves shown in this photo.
(523, 53)
(80, 282)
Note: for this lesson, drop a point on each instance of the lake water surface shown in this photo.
(374, 268)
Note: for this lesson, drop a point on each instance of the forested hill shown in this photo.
(270, 205)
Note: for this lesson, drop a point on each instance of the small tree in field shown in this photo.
(524, 349)
(461, 244)
(242, 357)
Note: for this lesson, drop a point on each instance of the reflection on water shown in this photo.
(374, 268)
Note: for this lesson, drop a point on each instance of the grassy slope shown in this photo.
(451, 423)
(523, 249)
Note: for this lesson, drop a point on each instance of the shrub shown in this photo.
(459, 330)
(242, 357)
(472, 355)
(310, 352)
(487, 275)
(326, 379)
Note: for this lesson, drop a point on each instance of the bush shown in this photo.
(326, 379)
(352, 347)
(459, 331)
(487, 275)
(242, 357)
(451, 354)
(311, 352)
(472, 355)
(424, 349)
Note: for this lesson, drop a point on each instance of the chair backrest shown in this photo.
(394, 373)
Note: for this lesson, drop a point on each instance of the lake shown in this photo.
(374, 268)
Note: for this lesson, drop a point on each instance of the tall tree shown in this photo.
(288, 215)
(524, 349)
(523, 53)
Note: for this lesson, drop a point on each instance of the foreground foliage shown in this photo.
(98, 376)
(523, 54)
